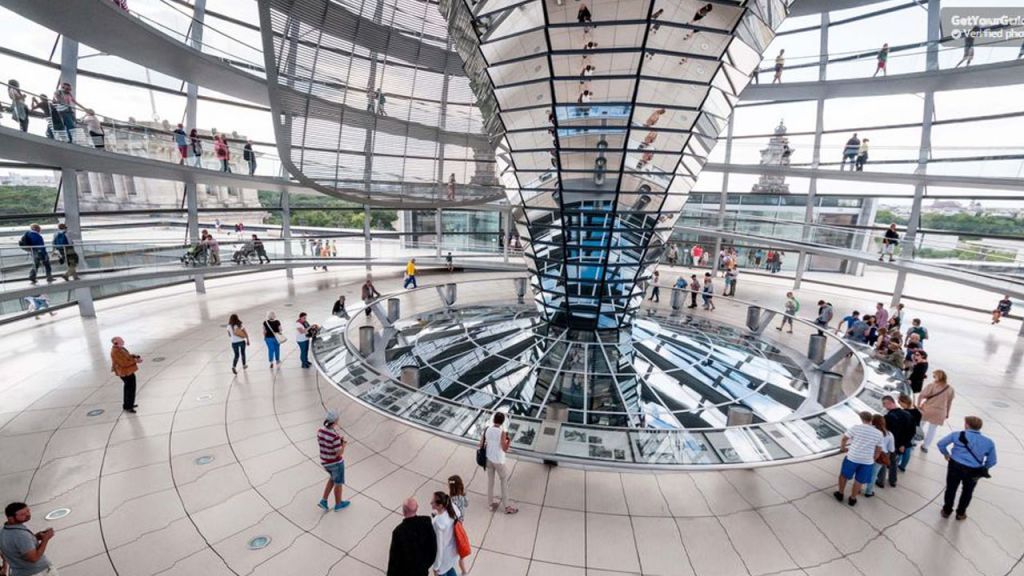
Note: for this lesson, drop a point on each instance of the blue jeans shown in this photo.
(304, 353)
(410, 280)
(239, 349)
(68, 118)
(869, 488)
(905, 459)
(40, 258)
(273, 350)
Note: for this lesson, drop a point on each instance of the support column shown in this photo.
(192, 96)
(368, 249)
(716, 261)
(806, 235)
(286, 232)
(924, 151)
(439, 230)
(69, 181)
(508, 232)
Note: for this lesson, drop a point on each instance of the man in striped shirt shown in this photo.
(332, 457)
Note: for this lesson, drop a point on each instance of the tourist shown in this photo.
(66, 253)
(859, 330)
(696, 253)
(381, 100)
(583, 15)
(968, 57)
(896, 315)
(708, 292)
(863, 445)
(95, 129)
(239, 340)
(883, 57)
(653, 118)
(19, 110)
(780, 62)
(824, 316)
(972, 456)
(935, 402)
(32, 242)
(223, 153)
(862, 155)
(918, 370)
(496, 442)
(899, 422)
(731, 276)
(304, 331)
(125, 364)
(212, 248)
(181, 141)
(1002, 308)
(695, 288)
(907, 405)
(196, 145)
(371, 101)
(882, 461)
(448, 263)
(889, 242)
(64, 104)
(249, 155)
(917, 329)
(758, 257)
(846, 324)
(23, 552)
(413, 543)
(332, 458)
(655, 24)
(451, 186)
(457, 492)
(444, 529)
(368, 293)
(792, 306)
(850, 152)
(261, 250)
(410, 274)
(273, 337)
(881, 315)
(54, 123)
(655, 289)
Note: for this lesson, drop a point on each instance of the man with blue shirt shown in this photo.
(971, 458)
(33, 243)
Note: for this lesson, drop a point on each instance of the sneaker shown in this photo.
(869, 494)
(341, 505)
(945, 513)
(851, 501)
(233, 371)
(245, 366)
(924, 450)
(838, 495)
(961, 516)
(323, 504)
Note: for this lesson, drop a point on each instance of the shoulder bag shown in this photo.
(481, 453)
(281, 338)
(461, 540)
(978, 471)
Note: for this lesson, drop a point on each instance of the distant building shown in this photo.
(41, 181)
(776, 155)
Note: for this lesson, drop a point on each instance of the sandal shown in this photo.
(511, 510)
(494, 506)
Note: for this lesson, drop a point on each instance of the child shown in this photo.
(848, 322)
(457, 491)
(888, 451)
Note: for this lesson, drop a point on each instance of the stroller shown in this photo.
(245, 254)
(195, 255)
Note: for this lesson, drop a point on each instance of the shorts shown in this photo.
(861, 473)
(888, 248)
(337, 472)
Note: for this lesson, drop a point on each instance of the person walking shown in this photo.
(220, 149)
(1002, 308)
(249, 155)
(655, 289)
(381, 100)
(780, 63)
(883, 58)
(882, 461)
(338, 310)
(444, 530)
(695, 288)
(708, 292)
(897, 421)
(95, 129)
(451, 186)
(918, 370)
(413, 543)
(890, 241)
(19, 110)
(332, 458)
(32, 242)
(732, 275)
(273, 337)
(448, 263)
(971, 457)
(368, 293)
(66, 253)
(261, 250)
(863, 445)
(24, 552)
(935, 403)
(825, 314)
(862, 155)
(792, 306)
(125, 364)
(181, 141)
(495, 442)
(410, 274)
(850, 152)
(212, 248)
(969, 39)
(304, 331)
(64, 104)
(239, 340)
(196, 147)
(49, 111)
(371, 101)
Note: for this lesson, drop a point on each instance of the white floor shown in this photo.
(141, 504)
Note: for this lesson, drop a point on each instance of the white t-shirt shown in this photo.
(300, 332)
(234, 337)
(888, 443)
(444, 531)
(493, 439)
(863, 440)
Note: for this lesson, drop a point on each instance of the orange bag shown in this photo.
(461, 540)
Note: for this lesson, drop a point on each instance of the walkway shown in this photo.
(869, 175)
(20, 146)
(212, 461)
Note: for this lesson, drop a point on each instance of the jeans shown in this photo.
(224, 167)
(129, 391)
(68, 118)
(410, 280)
(957, 474)
(239, 349)
(890, 471)
(40, 258)
(304, 353)
(252, 167)
(273, 350)
(905, 459)
(869, 488)
(502, 471)
(656, 294)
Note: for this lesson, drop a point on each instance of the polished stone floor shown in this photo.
(212, 461)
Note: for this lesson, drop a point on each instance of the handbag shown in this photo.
(481, 453)
(281, 338)
(979, 471)
(883, 459)
(461, 540)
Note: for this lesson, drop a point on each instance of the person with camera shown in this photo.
(304, 332)
(971, 457)
(125, 365)
(332, 458)
(22, 551)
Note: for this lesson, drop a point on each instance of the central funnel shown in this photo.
(604, 113)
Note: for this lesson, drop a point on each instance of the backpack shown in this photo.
(25, 243)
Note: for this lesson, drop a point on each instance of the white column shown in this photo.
(191, 197)
(286, 231)
(722, 200)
